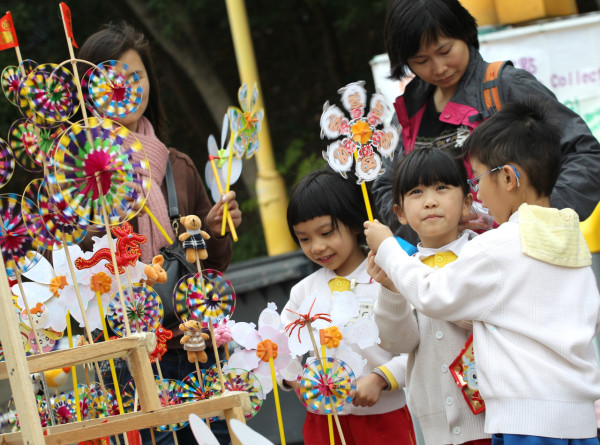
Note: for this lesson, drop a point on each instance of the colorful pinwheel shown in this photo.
(51, 92)
(169, 393)
(210, 296)
(18, 248)
(245, 123)
(144, 310)
(114, 90)
(325, 391)
(360, 134)
(7, 163)
(240, 380)
(13, 78)
(194, 390)
(94, 165)
(64, 405)
(33, 144)
(65, 229)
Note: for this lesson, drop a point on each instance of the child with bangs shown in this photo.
(325, 216)
(431, 194)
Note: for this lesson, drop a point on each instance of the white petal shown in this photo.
(364, 332)
(245, 335)
(344, 307)
(269, 318)
(42, 271)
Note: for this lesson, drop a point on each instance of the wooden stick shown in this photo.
(73, 370)
(221, 193)
(216, 351)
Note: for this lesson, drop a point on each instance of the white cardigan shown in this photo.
(533, 327)
(395, 365)
(433, 396)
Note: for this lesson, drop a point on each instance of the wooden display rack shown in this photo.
(17, 368)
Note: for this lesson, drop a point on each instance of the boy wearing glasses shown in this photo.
(527, 286)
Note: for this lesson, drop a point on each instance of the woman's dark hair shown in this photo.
(425, 167)
(327, 193)
(412, 23)
(109, 44)
(522, 133)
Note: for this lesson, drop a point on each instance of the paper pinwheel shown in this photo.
(219, 159)
(33, 144)
(169, 394)
(210, 297)
(361, 136)
(13, 79)
(193, 389)
(64, 405)
(93, 165)
(64, 229)
(51, 93)
(144, 310)
(114, 89)
(19, 250)
(247, 336)
(245, 123)
(325, 391)
(240, 380)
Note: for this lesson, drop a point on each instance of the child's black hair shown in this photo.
(411, 23)
(425, 167)
(327, 193)
(521, 133)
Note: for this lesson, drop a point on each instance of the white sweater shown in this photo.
(533, 323)
(367, 290)
(433, 396)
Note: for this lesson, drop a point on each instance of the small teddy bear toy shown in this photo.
(193, 239)
(155, 272)
(193, 341)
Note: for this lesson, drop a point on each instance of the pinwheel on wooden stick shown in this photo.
(144, 310)
(245, 126)
(7, 163)
(362, 142)
(33, 144)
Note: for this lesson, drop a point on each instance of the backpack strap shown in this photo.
(491, 88)
(172, 198)
(491, 91)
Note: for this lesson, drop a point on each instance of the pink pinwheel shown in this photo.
(269, 328)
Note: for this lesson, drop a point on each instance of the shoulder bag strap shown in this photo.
(172, 205)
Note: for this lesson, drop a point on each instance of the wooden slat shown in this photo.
(224, 406)
(84, 354)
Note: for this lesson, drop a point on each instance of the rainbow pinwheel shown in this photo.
(245, 123)
(64, 405)
(194, 389)
(325, 391)
(114, 90)
(98, 163)
(144, 310)
(19, 250)
(33, 144)
(13, 78)
(23, 140)
(360, 134)
(51, 92)
(7, 163)
(180, 294)
(240, 380)
(169, 393)
(102, 406)
(69, 229)
(210, 296)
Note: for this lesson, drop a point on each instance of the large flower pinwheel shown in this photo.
(247, 336)
(361, 136)
(245, 123)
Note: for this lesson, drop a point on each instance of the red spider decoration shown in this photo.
(305, 319)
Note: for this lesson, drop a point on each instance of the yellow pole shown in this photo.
(270, 187)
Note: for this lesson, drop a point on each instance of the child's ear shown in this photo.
(509, 178)
(467, 204)
(400, 214)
